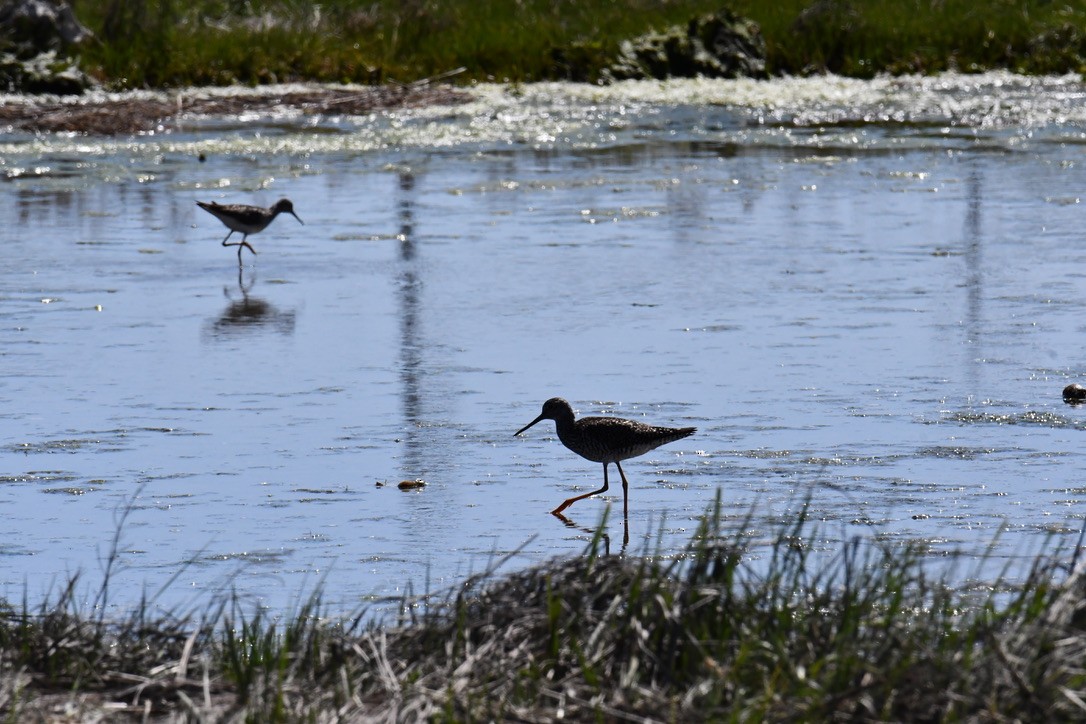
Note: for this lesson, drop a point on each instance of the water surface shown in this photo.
(864, 294)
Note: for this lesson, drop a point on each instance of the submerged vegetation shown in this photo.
(156, 43)
(728, 630)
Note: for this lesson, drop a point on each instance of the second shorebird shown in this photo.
(247, 219)
(604, 440)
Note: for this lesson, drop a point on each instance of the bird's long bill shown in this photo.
(297, 217)
(527, 426)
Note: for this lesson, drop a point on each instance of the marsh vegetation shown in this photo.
(159, 43)
(731, 628)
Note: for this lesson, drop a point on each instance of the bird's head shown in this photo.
(284, 206)
(553, 409)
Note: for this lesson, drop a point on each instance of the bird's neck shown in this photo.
(563, 425)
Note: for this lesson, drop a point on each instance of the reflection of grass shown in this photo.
(168, 42)
(728, 630)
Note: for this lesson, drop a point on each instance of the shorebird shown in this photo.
(247, 219)
(604, 440)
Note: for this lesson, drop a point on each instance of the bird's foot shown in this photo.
(558, 511)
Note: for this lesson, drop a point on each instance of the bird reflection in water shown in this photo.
(599, 534)
(249, 313)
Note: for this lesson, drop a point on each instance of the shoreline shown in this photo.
(1032, 101)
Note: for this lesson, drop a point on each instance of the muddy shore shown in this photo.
(135, 113)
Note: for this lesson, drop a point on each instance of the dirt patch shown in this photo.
(119, 116)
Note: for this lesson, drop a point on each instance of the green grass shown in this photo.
(862, 38)
(730, 630)
(169, 43)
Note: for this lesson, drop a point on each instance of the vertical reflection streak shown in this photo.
(410, 347)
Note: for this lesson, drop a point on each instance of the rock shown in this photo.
(43, 73)
(719, 45)
(34, 34)
(41, 25)
(1074, 394)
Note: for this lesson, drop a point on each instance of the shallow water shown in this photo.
(868, 294)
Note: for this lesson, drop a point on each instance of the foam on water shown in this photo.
(570, 115)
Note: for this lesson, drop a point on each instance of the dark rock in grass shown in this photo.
(43, 73)
(720, 45)
(1074, 394)
(33, 35)
(41, 25)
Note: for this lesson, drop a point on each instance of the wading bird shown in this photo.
(604, 440)
(247, 219)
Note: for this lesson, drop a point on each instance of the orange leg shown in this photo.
(571, 501)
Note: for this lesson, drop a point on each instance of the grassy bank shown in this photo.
(728, 631)
(209, 42)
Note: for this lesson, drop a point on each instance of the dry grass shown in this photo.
(138, 114)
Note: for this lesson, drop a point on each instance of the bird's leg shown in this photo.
(571, 501)
(241, 282)
(243, 244)
(625, 488)
(238, 244)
